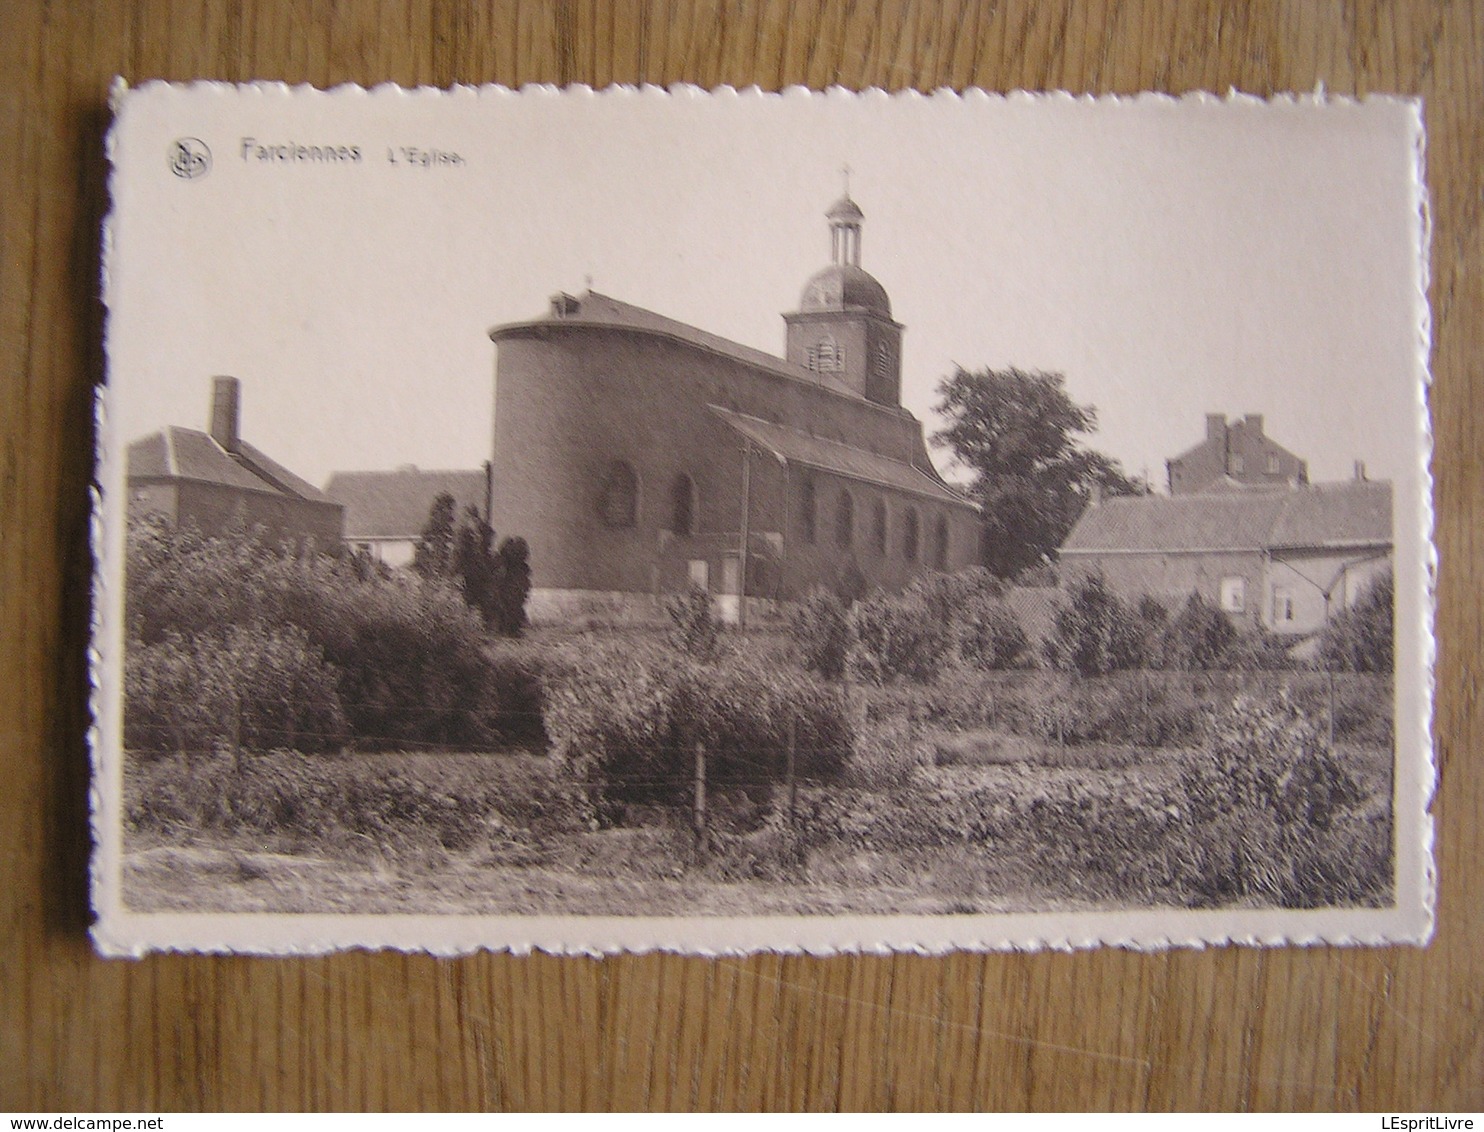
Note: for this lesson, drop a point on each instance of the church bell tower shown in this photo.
(843, 328)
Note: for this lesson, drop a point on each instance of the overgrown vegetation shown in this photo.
(909, 739)
(301, 647)
(625, 723)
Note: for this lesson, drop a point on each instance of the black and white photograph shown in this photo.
(715, 522)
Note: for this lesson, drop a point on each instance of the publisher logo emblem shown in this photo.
(189, 158)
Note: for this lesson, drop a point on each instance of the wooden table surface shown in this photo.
(1389, 1028)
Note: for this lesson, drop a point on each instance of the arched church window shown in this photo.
(911, 535)
(808, 518)
(683, 505)
(940, 543)
(844, 520)
(878, 526)
(618, 504)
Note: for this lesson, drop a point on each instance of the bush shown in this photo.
(896, 637)
(1198, 638)
(625, 722)
(820, 629)
(1095, 633)
(407, 652)
(1361, 638)
(1271, 816)
(694, 629)
(990, 636)
(249, 687)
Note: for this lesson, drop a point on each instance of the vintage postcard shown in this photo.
(728, 521)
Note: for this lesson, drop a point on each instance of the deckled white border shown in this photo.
(119, 932)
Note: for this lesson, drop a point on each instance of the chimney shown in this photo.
(1360, 470)
(1095, 495)
(1253, 423)
(1216, 426)
(226, 409)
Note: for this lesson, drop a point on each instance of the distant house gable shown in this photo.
(1235, 455)
(209, 477)
(385, 511)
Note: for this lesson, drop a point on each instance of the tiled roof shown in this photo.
(1322, 515)
(594, 309)
(188, 454)
(1335, 514)
(396, 504)
(799, 447)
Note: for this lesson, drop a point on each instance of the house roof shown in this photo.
(396, 504)
(594, 309)
(189, 454)
(798, 447)
(1324, 515)
(1357, 513)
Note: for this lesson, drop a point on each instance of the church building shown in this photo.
(638, 455)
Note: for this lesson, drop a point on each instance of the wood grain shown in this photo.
(1396, 1028)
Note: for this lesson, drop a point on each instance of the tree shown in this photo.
(433, 557)
(1361, 639)
(1096, 633)
(495, 582)
(1019, 433)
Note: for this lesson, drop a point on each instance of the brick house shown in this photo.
(211, 478)
(385, 512)
(1233, 456)
(1282, 560)
(637, 455)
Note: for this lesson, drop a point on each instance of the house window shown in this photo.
(698, 571)
(1234, 594)
(618, 505)
(1239, 465)
(1273, 465)
(911, 536)
(808, 519)
(844, 520)
(940, 544)
(683, 505)
(1282, 606)
(878, 526)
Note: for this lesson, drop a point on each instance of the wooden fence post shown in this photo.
(791, 771)
(699, 813)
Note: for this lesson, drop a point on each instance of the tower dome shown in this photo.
(844, 284)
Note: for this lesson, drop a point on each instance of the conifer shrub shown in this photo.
(1199, 637)
(694, 628)
(819, 627)
(1095, 632)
